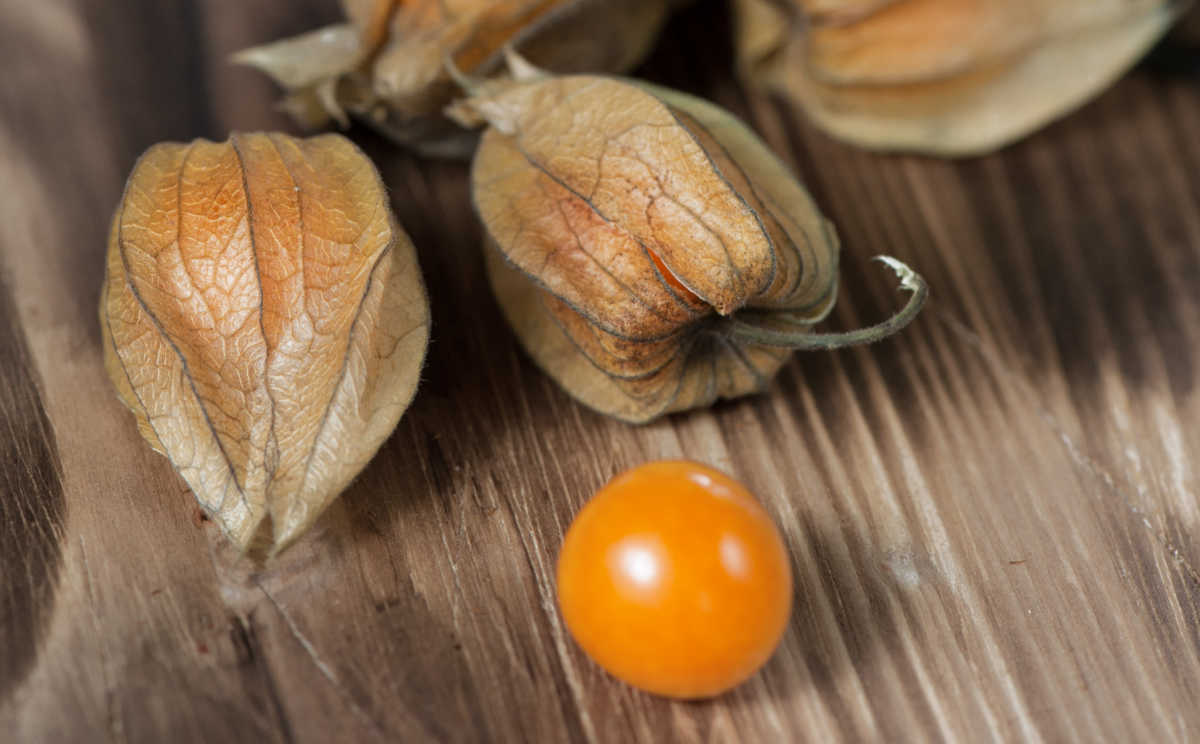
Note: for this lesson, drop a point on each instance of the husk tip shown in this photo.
(520, 68)
(470, 85)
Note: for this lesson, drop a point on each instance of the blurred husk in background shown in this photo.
(388, 64)
(944, 77)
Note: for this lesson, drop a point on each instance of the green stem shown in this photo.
(804, 339)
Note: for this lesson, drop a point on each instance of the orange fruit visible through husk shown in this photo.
(650, 252)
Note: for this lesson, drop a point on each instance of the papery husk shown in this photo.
(390, 65)
(946, 77)
(264, 318)
(638, 235)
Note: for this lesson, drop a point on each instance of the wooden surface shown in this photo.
(993, 518)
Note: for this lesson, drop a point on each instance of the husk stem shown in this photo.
(804, 339)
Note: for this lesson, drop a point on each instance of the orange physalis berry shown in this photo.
(674, 579)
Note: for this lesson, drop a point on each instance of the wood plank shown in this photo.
(31, 504)
(992, 518)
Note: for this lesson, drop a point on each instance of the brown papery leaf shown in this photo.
(949, 77)
(649, 251)
(393, 73)
(265, 320)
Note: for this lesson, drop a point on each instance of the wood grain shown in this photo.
(993, 518)
(31, 510)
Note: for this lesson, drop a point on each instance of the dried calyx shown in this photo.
(387, 64)
(649, 251)
(949, 77)
(264, 318)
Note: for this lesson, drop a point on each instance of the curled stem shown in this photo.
(804, 339)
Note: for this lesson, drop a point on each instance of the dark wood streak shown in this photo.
(32, 506)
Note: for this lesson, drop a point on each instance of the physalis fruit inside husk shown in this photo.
(948, 77)
(650, 252)
(264, 318)
(387, 64)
